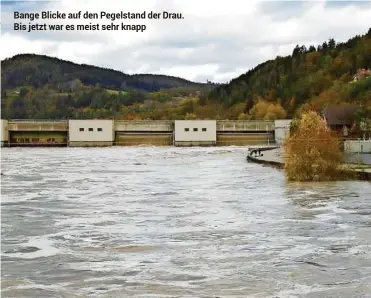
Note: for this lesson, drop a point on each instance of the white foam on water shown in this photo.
(45, 246)
(298, 290)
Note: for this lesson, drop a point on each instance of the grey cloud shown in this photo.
(24, 6)
(281, 10)
(233, 44)
(338, 4)
(284, 10)
(225, 52)
(202, 78)
(59, 36)
(155, 58)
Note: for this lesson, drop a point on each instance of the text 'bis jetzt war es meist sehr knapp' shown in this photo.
(50, 15)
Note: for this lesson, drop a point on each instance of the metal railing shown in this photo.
(245, 125)
(36, 120)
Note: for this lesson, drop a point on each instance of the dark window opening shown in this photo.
(81, 129)
(99, 129)
(186, 129)
(90, 129)
(195, 129)
(204, 129)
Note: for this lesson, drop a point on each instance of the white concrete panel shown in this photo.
(281, 130)
(282, 123)
(195, 130)
(361, 146)
(91, 131)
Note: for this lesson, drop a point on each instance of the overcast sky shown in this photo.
(217, 39)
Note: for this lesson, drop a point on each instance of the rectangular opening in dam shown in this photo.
(143, 139)
(38, 138)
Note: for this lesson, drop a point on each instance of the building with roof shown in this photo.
(340, 118)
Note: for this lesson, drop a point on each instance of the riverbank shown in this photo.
(275, 158)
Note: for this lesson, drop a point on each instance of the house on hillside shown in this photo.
(340, 118)
(361, 74)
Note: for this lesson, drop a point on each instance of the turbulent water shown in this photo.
(176, 222)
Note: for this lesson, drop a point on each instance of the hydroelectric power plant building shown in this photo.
(195, 133)
(82, 133)
(97, 132)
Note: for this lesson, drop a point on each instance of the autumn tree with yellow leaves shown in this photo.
(312, 152)
(264, 110)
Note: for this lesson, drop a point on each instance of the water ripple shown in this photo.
(176, 222)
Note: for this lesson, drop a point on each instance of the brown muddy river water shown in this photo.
(176, 222)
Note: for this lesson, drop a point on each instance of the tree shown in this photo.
(331, 43)
(263, 110)
(366, 127)
(17, 110)
(294, 125)
(203, 100)
(312, 48)
(363, 120)
(325, 46)
(275, 111)
(23, 92)
(190, 116)
(236, 110)
(303, 109)
(160, 96)
(243, 116)
(312, 152)
(259, 110)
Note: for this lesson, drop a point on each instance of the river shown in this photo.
(177, 222)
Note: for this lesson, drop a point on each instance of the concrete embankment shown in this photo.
(269, 157)
(274, 157)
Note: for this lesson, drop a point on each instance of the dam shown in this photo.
(106, 132)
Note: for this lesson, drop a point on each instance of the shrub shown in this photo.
(312, 152)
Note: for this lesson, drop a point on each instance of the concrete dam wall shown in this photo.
(99, 132)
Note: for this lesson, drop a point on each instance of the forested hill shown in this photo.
(311, 77)
(37, 71)
(41, 87)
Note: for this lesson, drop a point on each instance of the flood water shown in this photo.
(176, 222)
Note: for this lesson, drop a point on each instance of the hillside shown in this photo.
(309, 78)
(38, 70)
(40, 87)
